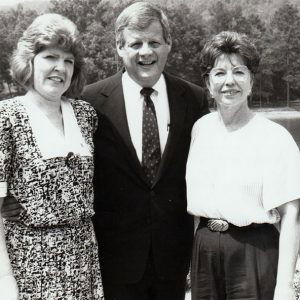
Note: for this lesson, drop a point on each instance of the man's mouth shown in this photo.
(146, 63)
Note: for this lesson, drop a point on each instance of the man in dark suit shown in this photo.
(145, 119)
(145, 234)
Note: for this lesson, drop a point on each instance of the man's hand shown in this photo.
(11, 209)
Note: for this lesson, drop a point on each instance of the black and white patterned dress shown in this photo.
(52, 248)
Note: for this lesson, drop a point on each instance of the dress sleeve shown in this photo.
(5, 150)
(90, 114)
(94, 119)
(281, 182)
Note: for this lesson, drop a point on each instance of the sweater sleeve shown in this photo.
(282, 173)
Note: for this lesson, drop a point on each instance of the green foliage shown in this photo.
(282, 51)
(81, 12)
(273, 24)
(187, 39)
(12, 25)
(224, 17)
(95, 20)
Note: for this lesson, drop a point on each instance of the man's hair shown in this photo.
(48, 30)
(139, 16)
(229, 42)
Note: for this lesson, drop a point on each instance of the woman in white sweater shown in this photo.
(243, 177)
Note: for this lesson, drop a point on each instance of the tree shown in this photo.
(12, 24)
(224, 16)
(81, 12)
(283, 48)
(95, 20)
(187, 42)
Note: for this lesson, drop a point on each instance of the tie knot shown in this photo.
(147, 91)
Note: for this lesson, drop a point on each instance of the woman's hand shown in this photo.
(8, 287)
(288, 250)
(8, 284)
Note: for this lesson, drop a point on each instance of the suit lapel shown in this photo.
(114, 109)
(177, 105)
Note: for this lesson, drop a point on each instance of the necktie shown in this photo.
(151, 154)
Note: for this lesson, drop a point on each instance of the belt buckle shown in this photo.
(217, 225)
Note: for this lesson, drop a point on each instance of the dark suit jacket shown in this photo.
(131, 217)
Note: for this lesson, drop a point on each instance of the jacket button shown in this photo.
(170, 200)
(152, 193)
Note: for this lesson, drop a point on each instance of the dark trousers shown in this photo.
(239, 264)
(150, 287)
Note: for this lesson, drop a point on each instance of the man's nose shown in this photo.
(145, 49)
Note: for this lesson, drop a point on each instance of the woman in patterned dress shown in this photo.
(46, 164)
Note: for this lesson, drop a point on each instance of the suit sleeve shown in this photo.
(201, 101)
(204, 105)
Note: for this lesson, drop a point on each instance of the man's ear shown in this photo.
(169, 44)
(120, 49)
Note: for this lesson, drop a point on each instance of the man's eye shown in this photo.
(155, 44)
(135, 45)
(49, 56)
(70, 61)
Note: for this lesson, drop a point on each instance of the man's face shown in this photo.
(144, 53)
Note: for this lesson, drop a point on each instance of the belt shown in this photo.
(219, 225)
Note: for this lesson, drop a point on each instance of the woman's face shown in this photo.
(52, 72)
(230, 81)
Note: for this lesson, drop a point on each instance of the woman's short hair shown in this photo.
(48, 30)
(229, 42)
(139, 16)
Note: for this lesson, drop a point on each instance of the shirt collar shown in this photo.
(160, 85)
(132, 86)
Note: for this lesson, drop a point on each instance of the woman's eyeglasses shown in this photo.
(239, 73)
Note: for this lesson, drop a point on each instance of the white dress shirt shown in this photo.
(134, 111)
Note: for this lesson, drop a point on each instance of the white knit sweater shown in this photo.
(241, 176)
